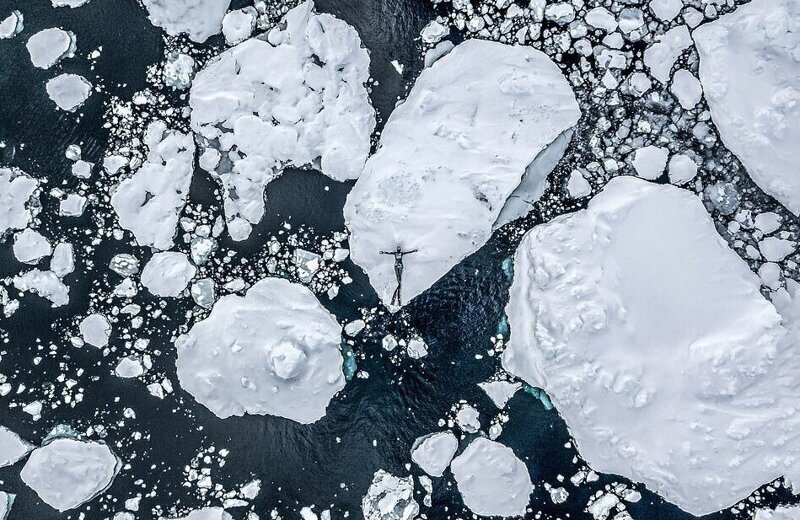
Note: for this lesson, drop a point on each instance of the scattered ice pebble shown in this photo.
(62, 262)
(69, 91)
(434, 32)
(11, 25)
(390, 497)
(238, 25)
(199, 19)
(72, 206)
(30, 246)
(666, 10)
(179, 70)
(302, 90)
(750, 70)
(650, 161)
(66, 473)
(410, 194)
(578, 186)
(779, 513)
(12, 448)
(44, 283)
(168, 274)
(676, 320)
(149, 202)
(468, 419)
(492, 480)
(500, 391)
(686, 88)
(50, 46)
(434, 452)
(775, 249)
(17, 200)
(273, 351)
(662, 54)
(682, 169)
(95, 330)
(389, 343)
(129, 367)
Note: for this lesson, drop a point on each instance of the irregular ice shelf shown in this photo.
(750, 71)
(296, 99)
(652, 339)
(450, 157)
(273, 351)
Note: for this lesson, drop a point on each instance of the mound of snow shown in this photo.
(492, 480)
(390, 497)
(149, 203)
(637, 319)
(50, 46)
(434, 452)
(750, 71)
(168, 274)
(273, 351)
(12, 448)
(296, 99)
(69, 91)
(17, 200)
(450, 157)
(66, 473)
(199, 19)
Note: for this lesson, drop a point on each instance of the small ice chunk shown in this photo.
(776, 249)
(124, 264)
(95, 330)
(390, 497)
(561, 13)
(500, 391)
(30, 246)
(12, 448)
(686, 88)
(129, 367)
(62, 262)
(434, 452)
(50, 46)
(69, 91)
(168, 274)
(17, 200)
(11, 25)
(662, 54)
(666, 10)
(682, 169)
(492, 480)
(416, 348)
(200, 19)
(441, 49)
(72, 206)
(601, 18)
(69, 3)
(779, 513)
(650, 161)
(179, 70)
(767, 222)
(354, 327)
(578, 186)
(6, 502)
(434, 32)
(203, 292)
(206, 513)
(238, 25)
(468, 419)
(44, 283)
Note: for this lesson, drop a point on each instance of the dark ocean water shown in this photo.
(371, 424)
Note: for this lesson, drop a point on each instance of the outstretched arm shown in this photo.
(409, 252)
(386, 253)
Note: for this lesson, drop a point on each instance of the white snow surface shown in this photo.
(16, 199)
(11, 25)
(149, 202)
(95, 330)
(449, 158)
(12, 447)
(500, 392)
(44, 283)
(273, 351)
(750, 71)
(30, 246)
(296, 99)
(491, 479)
(663, 53)
(49, 46)
(206, 513)
(199, 19)
(637, 319)
(779, 513)
(66, 473)
(434, 452)
(69, 91)
(390, 498)
(168, 274)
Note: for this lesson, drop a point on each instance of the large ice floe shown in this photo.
(652, 339)
(66, 472)
(199, 19)
(750, 71)
(150, 201)
(450, 157)
(273, 351)
(492, 480)
(780, 513)
(296, 98)
(18, 201)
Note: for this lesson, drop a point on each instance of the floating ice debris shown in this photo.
(124, 264)
(650, 161)
(50, 46)
(168, 274)
(82, 169)
(95, 330)
(206, 513)
(468, 419)
(18, 202)
(776, 249)
(434, 32)
(66, 473)
(69, 91)
(73, 205)
(6, 502)
(204, 292)
(44, 283)
(390, 498)
(450, 157)
(636, 318)
(30, 246)
(129, 367)
(199, 19)
(296, 99)
(69, 3)
(491, 479)
(12, 448)
(661, 55)
(779, 513)
(434, 452)
(500, 391)
(682, 169)
(238, 25)
(686, 88)
(273, 351)
(666, 10)
(11, 25)
(149, 202)
(750, 70)
(416, 348)
(62, 262)
(179, 70)
(577, 185)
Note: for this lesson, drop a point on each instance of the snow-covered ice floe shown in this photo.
(12, 25)
(652, 339)
(295, 99)
(273, 351)
(779, 513)
(150, 201)
(66, 473)
(69, 91)
(750, 71)
(168, 274)
(492, 480)
(50, 46)
(18, 201)
(6, 501)
(206, 513)
(434, 452)
(12, 447)
(199, 19)
(390, 497)
(450, 157)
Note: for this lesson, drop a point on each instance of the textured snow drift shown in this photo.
(273, 351)
(296, 99)
(651, 337)
(450, 157)
(750, 71)
(68, 472)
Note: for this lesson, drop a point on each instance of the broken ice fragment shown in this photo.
(662, 54)
(168, 274)
(12, 25)
(30, 246)
(500, 391)
(95, 330)
(129, 367)
(238, 25)
(17, 200)
(434, 452)
(650, 161)
(69, 91)
(44, 283)
(390, 497)
(12, 448)
(199, 19)
(50, 46)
